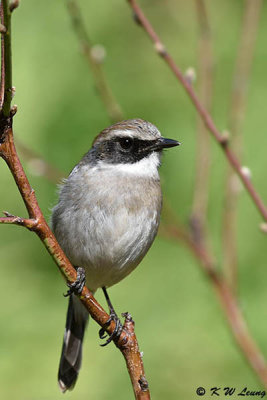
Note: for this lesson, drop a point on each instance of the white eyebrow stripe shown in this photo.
(124, 133)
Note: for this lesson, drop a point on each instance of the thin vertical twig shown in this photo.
(237, 112)
(127, 342)
(205, 83)
(6, 64)
(113, 108)
(2, 86)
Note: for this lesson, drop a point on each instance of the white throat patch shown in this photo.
(147, 167)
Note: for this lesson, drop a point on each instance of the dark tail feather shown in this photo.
(71, 355)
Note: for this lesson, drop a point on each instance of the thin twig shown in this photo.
(2, 86)
(37, 164)
(6, 65)
(127, 343)
(205, 79)
(237, 114)
(12, 219)
(113, 108)
(219, 137)
(227, 299)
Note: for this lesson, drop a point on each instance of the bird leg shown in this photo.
(112, 317)
(76, 287)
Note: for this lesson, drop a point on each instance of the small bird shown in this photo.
(106, 219)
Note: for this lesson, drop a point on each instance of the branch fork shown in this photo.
(28, 223)
(127, 342)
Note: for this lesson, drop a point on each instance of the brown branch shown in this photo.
(113, 108)
(205, 79)
(37, 164)
(6, 67)
(29, 223)
(226, 297)
(237, 113)
(2, 86)
(221, 140)
(127, 343)
(37, 224)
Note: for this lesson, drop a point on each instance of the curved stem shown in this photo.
(198, 220)
(207, 119)
(237, 110)
(127, 343)
(111, 105)
(226, 297)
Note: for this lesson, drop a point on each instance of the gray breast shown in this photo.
(106, 222)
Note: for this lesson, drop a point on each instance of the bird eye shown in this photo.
(126, 143)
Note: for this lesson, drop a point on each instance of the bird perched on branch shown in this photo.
(106, 219)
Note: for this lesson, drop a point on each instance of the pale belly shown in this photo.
(106, 237)
(111, 250)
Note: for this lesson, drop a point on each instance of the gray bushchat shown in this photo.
(106, 219)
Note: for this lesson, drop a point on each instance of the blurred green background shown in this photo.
(179, 322)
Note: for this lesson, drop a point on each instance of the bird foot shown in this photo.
(117, 331)
(76, 287)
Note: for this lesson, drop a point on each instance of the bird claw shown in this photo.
(76, 287)
(115, 334)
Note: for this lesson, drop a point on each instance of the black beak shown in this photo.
(163, 143)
